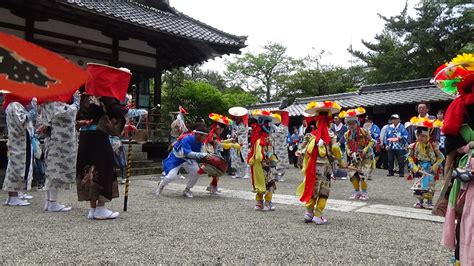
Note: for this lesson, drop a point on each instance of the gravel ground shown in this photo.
(383, 189)
(206, 229)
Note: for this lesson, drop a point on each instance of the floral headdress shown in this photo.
(268, 115)
(352, 114)
(220, 119)
(314, 108)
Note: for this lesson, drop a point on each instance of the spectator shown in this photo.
(293, 146)
(396, 144)
(373, 128)
(442, 137)
(382, 162)
(339, 129)
(422, 108)
(302, 129)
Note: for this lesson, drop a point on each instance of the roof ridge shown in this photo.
(335, 96)
(395, 82)
(146, 7)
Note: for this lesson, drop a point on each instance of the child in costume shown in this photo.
(424, 160)
(456, 201)
(262, 160)
(213, 144)
(320, 149)
(359, 151)
(240, 151)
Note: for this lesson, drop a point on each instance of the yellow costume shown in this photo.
(360, 153)
(424, 159)
(320, 149)
(262, 160)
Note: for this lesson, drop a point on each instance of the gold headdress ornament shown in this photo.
(351, 114)
(220, 119)
(275, 118)
(314, 108)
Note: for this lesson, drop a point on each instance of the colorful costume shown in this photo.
(178, 126)
(19, 172)
(262, 160)
(457, 77)
(239, 152)
(359, 151)
(186, 151)
(424, 160)
(213, 144)
(320, 149)
(101, 115)
(280, 139)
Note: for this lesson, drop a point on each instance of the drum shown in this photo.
(214, 166)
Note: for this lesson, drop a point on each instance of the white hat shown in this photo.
(238, 111)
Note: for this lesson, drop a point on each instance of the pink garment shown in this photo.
(449, 228)
(466, 243)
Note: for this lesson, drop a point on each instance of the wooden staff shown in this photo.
(129, 172)
(129, 167)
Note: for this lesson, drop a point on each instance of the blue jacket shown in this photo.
(375, 131)
(400, 132)
(186, 148)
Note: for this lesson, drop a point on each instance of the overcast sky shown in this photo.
(300, 25)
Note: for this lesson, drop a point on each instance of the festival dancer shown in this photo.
(319, 149)
(280, 138)
(262, 159)
(186, 153)
(359, 151)
(178, 126)
(20, 115)
(213, 145)
(58, 118)
(100, 116)
(424, 160)
(240, 136)
(457, 78)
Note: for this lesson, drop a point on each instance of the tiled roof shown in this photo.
(265, 106)
(394, 93)
(173, 23)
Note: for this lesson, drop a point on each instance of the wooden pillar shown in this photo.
(115, 53)
(29, 28)
(158, 74)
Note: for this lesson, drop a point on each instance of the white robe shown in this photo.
(61, 146)
(239, 159)
(17, 177)
(280, 137)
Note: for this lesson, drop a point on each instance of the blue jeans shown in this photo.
(400, 156)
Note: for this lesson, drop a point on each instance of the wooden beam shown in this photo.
(78, 51)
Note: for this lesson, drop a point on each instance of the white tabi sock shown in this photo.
(90, 215)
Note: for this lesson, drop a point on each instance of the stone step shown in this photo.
(139, 156)
(135, 147)
(145, 163)
(147, 171)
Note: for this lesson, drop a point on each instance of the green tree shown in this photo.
(262, 74)
(412, 47)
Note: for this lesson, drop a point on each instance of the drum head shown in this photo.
(212, 170)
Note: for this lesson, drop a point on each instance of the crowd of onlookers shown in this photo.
(392, 139)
